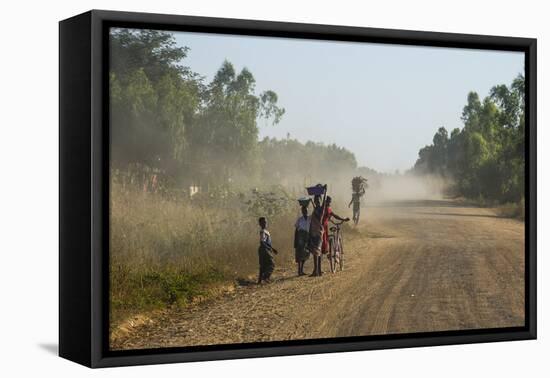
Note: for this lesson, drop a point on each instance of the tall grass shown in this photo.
(168, 251)
(512, 209)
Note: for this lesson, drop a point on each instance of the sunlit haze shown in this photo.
(382, 102)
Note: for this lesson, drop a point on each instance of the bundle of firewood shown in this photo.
(359, 184)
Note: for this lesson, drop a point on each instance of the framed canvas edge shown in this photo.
(322, 347)
(99, 138)
(75, 337)
(531, 186)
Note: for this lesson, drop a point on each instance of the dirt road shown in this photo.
(411, 266)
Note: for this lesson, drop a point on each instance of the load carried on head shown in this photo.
(304, 201)
(359, 184)
(317, 190)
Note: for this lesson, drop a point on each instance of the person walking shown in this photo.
(356, 202)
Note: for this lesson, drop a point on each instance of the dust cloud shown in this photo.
(408, 187)
(385, 188)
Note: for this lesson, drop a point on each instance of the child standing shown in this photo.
(301, 236)
(265, 253)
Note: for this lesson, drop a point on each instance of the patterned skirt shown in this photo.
(301, 252)
(267, 263)
(315, 242)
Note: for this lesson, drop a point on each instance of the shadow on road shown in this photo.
(420, 203)
(459, 214)
(245, 282)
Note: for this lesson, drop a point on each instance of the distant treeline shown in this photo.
(486, 158)
(167, 118)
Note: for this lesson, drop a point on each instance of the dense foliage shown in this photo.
(486, 158)
(166, 118)
(190, 175)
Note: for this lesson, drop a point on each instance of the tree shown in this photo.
(163, 115)
(439, 153)
(153, 99)
(156, 52)
(486, 158)
(225, 135)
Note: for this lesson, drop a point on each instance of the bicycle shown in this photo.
(336, 247)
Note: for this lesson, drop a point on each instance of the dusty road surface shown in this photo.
(411, 266)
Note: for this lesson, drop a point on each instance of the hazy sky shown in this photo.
(382, 102)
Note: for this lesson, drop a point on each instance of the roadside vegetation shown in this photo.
(190, 177)
(170, 252)
(512, 210)
(485, 160)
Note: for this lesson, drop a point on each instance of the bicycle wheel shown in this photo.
(341, 259)
(331, 255)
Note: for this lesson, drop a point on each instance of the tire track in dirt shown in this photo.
(412, 267)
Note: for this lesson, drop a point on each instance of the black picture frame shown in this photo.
(84, 191)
